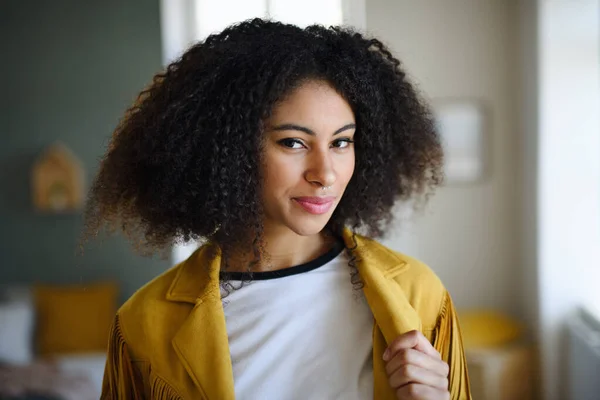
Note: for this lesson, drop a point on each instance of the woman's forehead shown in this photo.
(315, 101)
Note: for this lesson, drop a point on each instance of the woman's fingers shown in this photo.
(410, 340)
(421, 392)
(415, 369)
(412, 374)
(419, 359)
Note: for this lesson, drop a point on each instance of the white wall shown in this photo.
(464, 48)
(569, 171)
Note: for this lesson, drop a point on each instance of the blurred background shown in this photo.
(514, 233)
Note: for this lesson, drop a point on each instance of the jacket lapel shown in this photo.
(378, 266)
(201, 343)
(393, 313)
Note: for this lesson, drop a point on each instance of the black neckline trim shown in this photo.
(281, 273)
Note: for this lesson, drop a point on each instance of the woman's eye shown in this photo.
(342, 143)
(291, 143)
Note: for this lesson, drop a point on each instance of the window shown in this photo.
(214, 15)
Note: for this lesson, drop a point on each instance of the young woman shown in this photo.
(274, 145)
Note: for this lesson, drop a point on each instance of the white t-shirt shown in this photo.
(301, 333)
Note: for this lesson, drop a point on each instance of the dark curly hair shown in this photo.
(183, 162)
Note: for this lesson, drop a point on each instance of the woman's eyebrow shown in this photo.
(294, 127)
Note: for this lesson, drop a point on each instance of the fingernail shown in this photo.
(386, 355)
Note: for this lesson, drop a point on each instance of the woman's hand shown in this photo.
(415, 369)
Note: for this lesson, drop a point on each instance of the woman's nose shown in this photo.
(320, 170)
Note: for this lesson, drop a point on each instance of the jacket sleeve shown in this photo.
(120, 378)
(447, 340)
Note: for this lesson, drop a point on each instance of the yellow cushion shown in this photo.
(74, 319)
(486, 328)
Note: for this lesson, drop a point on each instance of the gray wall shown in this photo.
(69, 69)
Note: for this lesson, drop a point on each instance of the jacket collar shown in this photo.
(196, 276)
(378, 267)
(191, 283)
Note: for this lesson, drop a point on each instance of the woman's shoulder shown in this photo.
(183, 283)
(152, 293)
(167, 299)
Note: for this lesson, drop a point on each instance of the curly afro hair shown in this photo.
(183, 162)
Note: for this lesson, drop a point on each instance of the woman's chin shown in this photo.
(308, 228)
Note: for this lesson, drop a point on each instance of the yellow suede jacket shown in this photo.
(169, 340)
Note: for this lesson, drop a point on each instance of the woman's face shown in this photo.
(308, 158)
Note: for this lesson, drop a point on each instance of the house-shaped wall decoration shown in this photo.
(57, 181)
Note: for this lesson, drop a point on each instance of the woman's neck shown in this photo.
(283, 248)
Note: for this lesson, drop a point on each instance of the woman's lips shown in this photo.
(316, 205)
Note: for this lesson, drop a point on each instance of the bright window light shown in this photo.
(306, 12)
(213, 16)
